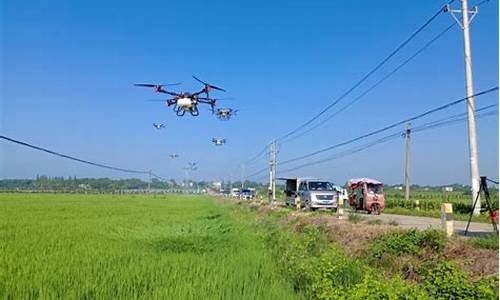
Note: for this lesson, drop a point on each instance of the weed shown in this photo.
(355, 218)
(393, 223)
(443, 280)
(375, 222)
(408, 242)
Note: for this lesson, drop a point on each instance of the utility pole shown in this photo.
(272, 169)
(242, 176)
(471, 118)
(407, 169)
(149, 182)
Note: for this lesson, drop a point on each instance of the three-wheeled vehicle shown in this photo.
(366, 194)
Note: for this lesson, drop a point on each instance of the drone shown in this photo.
(185, 101)
(174, 156)
(218, 141)
(159, 125)
(191, 167)
(225, 113)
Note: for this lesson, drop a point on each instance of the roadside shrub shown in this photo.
(372, 288)
(408, 242)
(434, 240)
(334, 274)
(445, 281)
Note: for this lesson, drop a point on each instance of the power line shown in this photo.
(390, 126)
(427, 126)
(428, 44)
(364, 78)
(435, 124)
(72, 157)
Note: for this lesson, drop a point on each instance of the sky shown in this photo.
(67, 70)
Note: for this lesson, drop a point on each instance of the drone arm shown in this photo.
(204, 90)
(168, 93)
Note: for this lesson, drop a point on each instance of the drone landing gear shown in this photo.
(179, 111)
(195, 112)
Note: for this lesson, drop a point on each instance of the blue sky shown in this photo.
(68, 69)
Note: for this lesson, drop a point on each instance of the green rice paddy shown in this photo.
(123, 247)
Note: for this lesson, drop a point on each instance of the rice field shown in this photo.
(123, 247)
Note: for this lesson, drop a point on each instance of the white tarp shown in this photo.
(367, 180)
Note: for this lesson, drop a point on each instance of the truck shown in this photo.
(312, 193)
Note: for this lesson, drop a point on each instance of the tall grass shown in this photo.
(121, 247)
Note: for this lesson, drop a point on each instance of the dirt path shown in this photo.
(475, 229)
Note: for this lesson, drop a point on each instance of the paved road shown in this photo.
(475, 229)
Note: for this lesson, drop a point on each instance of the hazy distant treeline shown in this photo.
(46, 183)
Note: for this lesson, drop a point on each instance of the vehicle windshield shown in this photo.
(320, 186)
(375, 188)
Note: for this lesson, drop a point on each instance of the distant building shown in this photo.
(400, 188)
(448, 189)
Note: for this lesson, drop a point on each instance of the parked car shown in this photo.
(366, 194)
(235, 192)
(246, 194)
(318, 194)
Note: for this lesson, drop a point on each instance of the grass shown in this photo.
(355, 218)
(391, 264)
(121, 247)
(488, 242)
(434, 214)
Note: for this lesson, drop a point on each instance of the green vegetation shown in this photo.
(319, 269)
(390, 264)
(355, 218)
(443, 280)
(488, 242)
(408, 242)
(180, 247)
(121, 247)
(430, 203)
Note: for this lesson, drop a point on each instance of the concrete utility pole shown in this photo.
(407, 169)
(471, 118)
(272, 169)
(149, 182)
(242, 176)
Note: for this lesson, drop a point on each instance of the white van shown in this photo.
(316, 194)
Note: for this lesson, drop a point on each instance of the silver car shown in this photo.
(317, 194)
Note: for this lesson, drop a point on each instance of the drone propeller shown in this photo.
(156, 85)
(208, 86)
(225, 98)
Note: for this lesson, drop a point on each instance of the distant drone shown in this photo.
(191, 167)
(218, 141)
(185, 101)
(174, 156)
(159, 125)
(225, 113)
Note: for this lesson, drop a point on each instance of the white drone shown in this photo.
(218, 141)
(159, 125)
